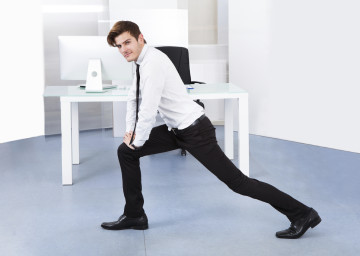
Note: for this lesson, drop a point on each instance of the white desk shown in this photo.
(70, 96)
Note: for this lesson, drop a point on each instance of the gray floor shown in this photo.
(190, 212)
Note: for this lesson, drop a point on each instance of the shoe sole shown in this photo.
(143, 227)
(140, 227)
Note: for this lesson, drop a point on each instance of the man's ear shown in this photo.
(141, 38)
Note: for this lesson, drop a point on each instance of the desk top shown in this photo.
(219, 90)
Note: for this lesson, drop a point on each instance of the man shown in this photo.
(158, 87)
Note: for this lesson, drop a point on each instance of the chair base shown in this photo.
(183, 152)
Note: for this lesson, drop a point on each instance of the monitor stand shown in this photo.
(94, 77)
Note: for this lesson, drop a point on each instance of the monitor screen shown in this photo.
(76, 51)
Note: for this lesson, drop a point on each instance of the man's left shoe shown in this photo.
(299, 227)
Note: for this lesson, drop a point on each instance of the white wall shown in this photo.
(145, 4)
(300, 62)
(22, 71)
(160, 27)
(223, 21)
(203, 21)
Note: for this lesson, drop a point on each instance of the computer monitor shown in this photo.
(90, 58)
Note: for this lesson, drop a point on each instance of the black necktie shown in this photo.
(137, 99)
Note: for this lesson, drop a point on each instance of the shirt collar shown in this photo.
(142, 54)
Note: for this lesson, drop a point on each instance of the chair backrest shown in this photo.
(180, 57)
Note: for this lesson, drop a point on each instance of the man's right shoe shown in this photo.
(299, 227)
(125, 222)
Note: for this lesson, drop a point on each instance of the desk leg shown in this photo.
(229, 129)
(244, 134)
(119, 116)
(66, 142)
(75, 132)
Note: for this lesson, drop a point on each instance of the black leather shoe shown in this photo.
(125, 222)
(299, 227)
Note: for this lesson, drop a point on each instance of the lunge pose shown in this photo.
(158, 87)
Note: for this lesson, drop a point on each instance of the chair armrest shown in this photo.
(196, 82)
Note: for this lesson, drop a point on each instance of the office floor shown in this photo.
(190, 212)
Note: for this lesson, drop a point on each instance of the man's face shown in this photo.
(128, 46)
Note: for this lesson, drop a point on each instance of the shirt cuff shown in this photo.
(138, 143)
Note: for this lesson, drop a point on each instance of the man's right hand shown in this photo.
(127, 139)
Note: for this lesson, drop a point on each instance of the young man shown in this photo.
(158, 87)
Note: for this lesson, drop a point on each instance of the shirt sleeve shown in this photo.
(131, 107)
(152, 84)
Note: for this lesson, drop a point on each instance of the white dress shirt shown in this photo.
(161, 89)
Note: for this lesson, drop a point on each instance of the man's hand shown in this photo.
(127, 139)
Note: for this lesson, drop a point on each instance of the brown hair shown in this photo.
(121, 27)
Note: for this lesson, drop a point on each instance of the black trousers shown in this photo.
(200, 141)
